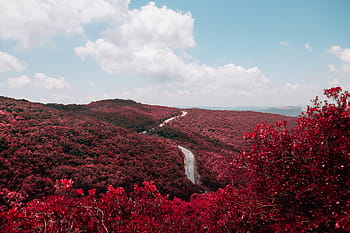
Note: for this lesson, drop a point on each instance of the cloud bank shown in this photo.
(344, 56)
(19, 82)
(9, 62)
(40, 80)
(33, 22)
(152, 42)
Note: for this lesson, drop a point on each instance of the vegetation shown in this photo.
(290, 180)
(40, 145)
(123, 113)
(216, 137)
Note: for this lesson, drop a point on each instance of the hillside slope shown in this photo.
(124, 113)
(217, 137)
(97, 145)
(40, 144)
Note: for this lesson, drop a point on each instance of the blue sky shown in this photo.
(175, 53)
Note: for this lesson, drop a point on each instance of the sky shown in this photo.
(176, 53)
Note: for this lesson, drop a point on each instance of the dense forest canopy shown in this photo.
(279, 179)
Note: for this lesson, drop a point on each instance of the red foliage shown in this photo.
(297, 181)
(143, 210)
(39, 145)
(124, 113)
(216, 138)
(303, 175)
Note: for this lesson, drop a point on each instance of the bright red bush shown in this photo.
(143, 210)
(302, 176)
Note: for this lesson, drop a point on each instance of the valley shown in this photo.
(110, 165)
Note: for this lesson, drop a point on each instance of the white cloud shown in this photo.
(291, 86)
(46, 82)
(32, 22)
(187, 56)
(19, 82)
(9, 62)
(40, 81)
(334, 83)
(146, 44)
(332, 68)
(190, 96)
(343, 55)
(308, 47)
(91, 83)
(140, 60)
(284, 43)
(167, 66)
(155, 27)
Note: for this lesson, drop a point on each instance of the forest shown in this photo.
(88, 168)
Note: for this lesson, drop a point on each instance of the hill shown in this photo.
(97, 145)
(124, 113)
(41, 144)
(84, 172)
(217, 137)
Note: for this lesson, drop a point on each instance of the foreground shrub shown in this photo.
(302, 177)
(143, 210)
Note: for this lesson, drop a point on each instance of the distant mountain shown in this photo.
(287, 111)
(293, 111)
